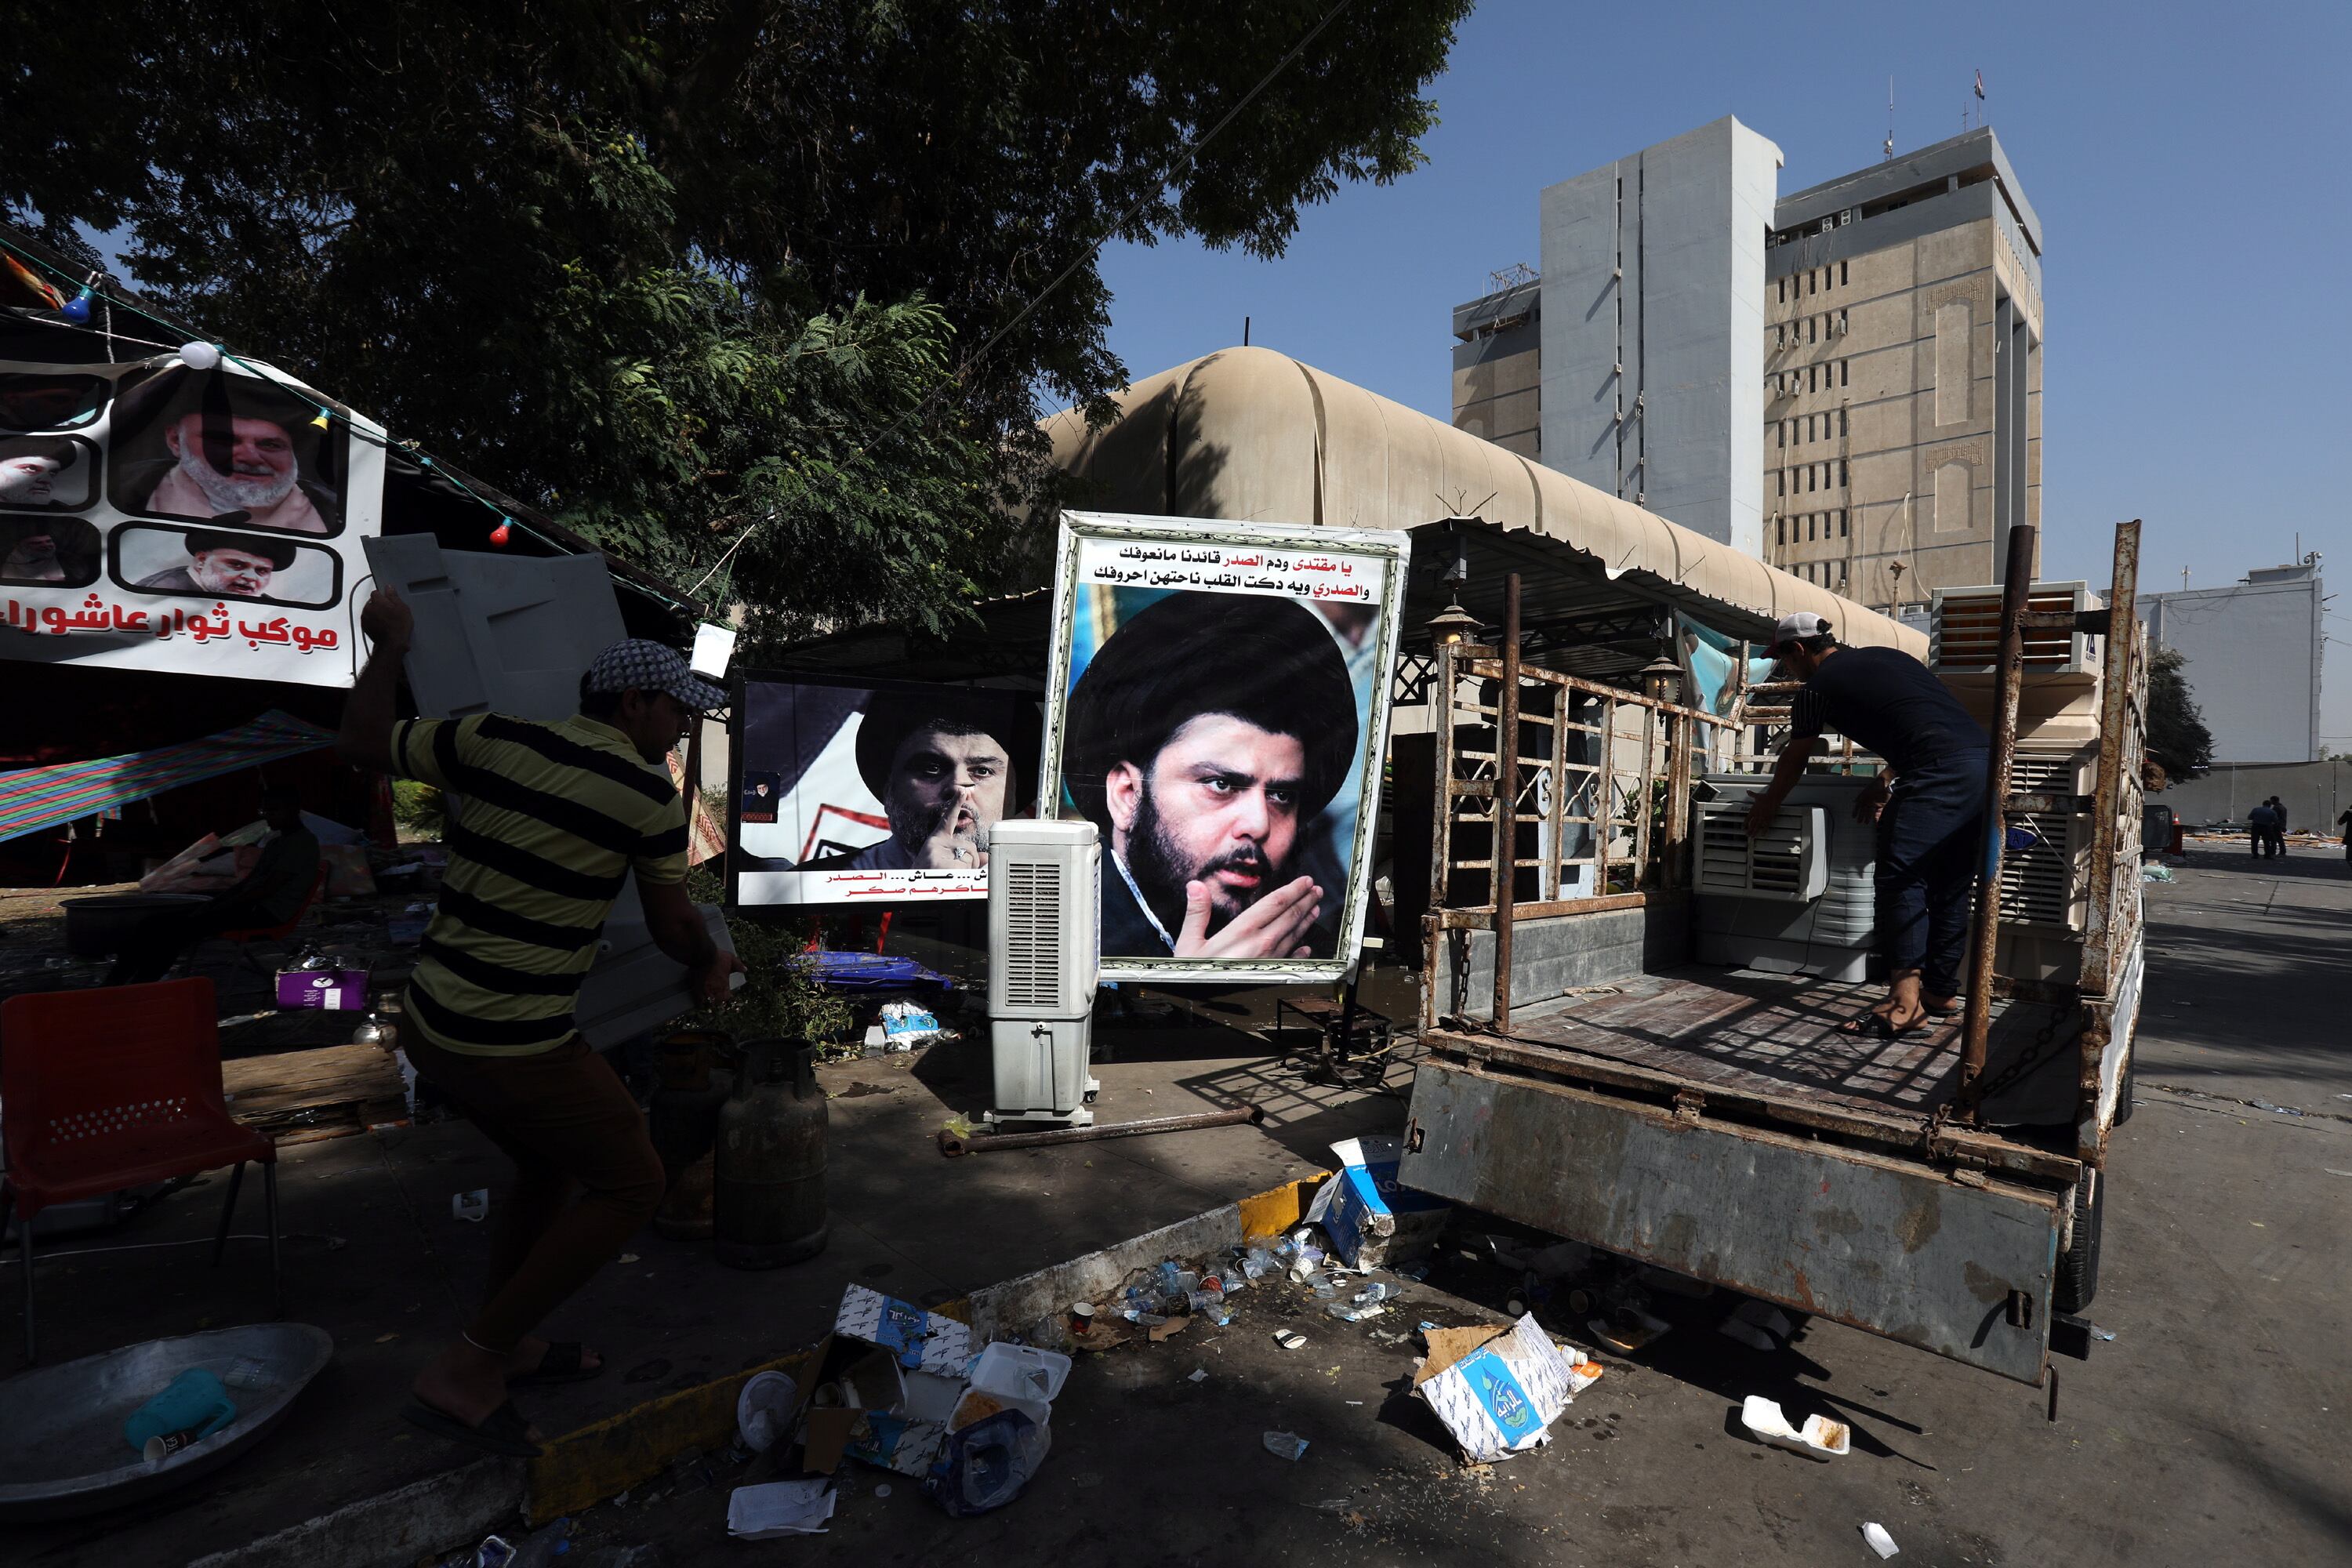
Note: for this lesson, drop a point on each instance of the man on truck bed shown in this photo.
(1927, 805)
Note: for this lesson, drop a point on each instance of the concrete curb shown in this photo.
(601, 1461)
(393, 1528)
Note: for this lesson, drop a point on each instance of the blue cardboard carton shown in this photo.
(1373, 1219)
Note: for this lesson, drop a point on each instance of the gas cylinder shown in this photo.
(767, 1177)
(684, 1125)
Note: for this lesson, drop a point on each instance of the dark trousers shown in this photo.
(1928, 845)
(158, 940)
(586, 1175)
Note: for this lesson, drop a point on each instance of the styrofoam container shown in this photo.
(1819, 1437)
(979, 1405)
(1020, 1371)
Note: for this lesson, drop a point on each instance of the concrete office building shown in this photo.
(1881, 333)
(2254, 661)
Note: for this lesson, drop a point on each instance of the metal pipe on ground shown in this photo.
(951, 1145)
(2017, 581)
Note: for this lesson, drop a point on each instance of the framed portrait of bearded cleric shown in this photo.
(199, 522)
(850, 792)
(1217, 706)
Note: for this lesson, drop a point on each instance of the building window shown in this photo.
(1845, 474)
(1842, 274)
(1780, 481)
(1845, 526)
(1782, 429)
(1954, 320)
(1780, 529)
(1842, 377)
(1841, 421)
(1841, 573)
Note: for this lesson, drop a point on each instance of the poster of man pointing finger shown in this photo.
(1219, 711)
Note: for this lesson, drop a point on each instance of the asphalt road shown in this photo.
(2211, 1429)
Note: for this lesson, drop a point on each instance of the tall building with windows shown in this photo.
(1902, 374)
(1881, 333)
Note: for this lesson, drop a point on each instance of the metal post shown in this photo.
(1506, 804)
(1563, 710)
(2017, 581)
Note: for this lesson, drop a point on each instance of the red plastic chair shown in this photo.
(112, 1088)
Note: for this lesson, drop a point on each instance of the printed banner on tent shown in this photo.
(1218, 707)
(207, 523)
(872, 792)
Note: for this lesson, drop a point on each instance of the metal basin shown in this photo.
(61, 1447)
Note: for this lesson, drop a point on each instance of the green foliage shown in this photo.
(418, 810)
(2175, 729)
(710, 278)
(780, 998)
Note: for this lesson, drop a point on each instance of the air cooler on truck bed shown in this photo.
(1045, 944)
(1797, 899)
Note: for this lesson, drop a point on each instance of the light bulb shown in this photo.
(76, 310)
(504, 532)
(199, 356)
(318, 420)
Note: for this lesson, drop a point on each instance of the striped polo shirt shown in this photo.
(552, 818)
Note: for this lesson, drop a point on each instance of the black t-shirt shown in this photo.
(1888, 702)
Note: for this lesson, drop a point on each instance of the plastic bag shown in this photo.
(988, 1463)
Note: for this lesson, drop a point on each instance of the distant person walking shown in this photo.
(2278, 826)
(2262, 821)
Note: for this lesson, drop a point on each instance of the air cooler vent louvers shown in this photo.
(1032, 918)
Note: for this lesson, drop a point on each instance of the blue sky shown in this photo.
(2190, 165)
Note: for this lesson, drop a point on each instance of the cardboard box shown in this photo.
(1496, 1390)
(336, 990)
(923, 1341)
(1374, 1220)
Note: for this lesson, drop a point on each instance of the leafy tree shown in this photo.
(2175, 730)
(708, 278)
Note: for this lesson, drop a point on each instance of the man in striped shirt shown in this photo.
(550, 820)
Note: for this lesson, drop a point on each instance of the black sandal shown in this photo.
(503, 1431)
(565, 1362)
(1875, 1025)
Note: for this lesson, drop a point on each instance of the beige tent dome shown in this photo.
(1250, 435)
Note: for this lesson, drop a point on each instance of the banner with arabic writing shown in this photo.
(872, 792)
(1218, 707)
(201, 522)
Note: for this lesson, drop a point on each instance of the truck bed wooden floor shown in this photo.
(1779, 1034)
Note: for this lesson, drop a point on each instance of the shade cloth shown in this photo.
(34, 798)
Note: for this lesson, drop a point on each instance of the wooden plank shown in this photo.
(264, 1087)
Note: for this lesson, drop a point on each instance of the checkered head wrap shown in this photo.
(637, 665)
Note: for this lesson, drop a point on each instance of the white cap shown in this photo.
(1797, 627)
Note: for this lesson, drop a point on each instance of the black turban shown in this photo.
(278, 553)
(892, 716)
(1266, 661)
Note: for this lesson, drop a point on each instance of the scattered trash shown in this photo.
(1285, 1444)
(1082, 1319)
(2154, 871)
(192, 1408)
(470, 1206)
(765, 1410)
(905, 1024)
(2101, 1334)
(1496, 1390)
(987, 1463)
(1333, 1505)
(1880, 1542)
(882, 1490)
(1201, 1374)
(1289, 1338)
(1627, 1331)
(1819, 1436)
(778, 1508)
(2274, 1109)
(1371, 1218)
(626, 1258)
(1759, 1325)
(1369, 1303)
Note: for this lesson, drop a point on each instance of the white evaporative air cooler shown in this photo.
(1044, 946)
(1797, 899)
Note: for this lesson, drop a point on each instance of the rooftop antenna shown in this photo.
(2184, 579)
(1890, 120)
(1980, 100)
